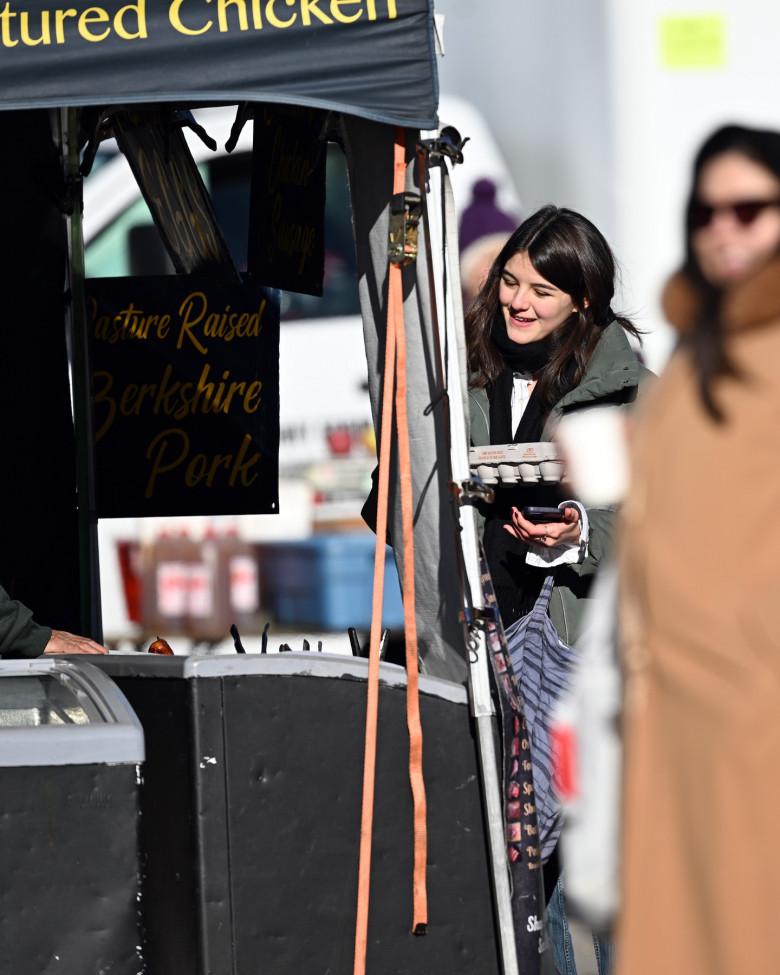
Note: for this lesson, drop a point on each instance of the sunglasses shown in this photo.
(745, 212)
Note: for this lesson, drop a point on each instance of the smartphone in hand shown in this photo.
(541, 515)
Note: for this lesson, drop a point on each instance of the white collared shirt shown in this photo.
(567, 552)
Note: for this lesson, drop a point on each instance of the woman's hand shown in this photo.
(554, 533)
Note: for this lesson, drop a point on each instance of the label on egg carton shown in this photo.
(514, 463)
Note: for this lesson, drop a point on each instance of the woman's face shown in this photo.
(532, 307)
(726, 248)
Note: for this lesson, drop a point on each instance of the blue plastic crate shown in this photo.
(327, 581)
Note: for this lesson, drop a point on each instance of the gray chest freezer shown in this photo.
(251, 808)
(71, 754)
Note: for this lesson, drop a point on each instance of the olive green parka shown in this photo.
(613, 376)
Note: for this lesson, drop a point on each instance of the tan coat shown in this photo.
(701, 646)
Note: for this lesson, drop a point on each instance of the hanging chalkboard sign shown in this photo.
(185, 393)
(286, 247)
(177, 198)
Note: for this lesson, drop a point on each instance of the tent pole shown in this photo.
(76, 325)
(482, 707)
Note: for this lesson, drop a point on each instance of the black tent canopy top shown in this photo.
(370, 58)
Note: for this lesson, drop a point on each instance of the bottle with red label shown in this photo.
(166, 568)
(201, 596)
(243, 579)
(205, 620)
(230, 564)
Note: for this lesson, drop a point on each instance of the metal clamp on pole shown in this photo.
(448, 144)
(471, 490)
(405, 211)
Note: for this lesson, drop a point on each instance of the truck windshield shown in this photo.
(130, 244)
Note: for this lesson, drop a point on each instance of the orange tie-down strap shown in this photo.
(394, 375)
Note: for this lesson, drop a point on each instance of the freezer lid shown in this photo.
(309, 664)
(56, 711)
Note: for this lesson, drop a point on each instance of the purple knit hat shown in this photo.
(482, 217)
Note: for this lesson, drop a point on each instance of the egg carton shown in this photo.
(516, 463)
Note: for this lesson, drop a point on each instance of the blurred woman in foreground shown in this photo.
(701, 561)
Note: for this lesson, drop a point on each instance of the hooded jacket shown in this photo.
(613, 375)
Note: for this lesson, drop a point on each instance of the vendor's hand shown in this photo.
(546, 535)
(62, 642)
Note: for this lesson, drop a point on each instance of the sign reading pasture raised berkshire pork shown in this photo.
(185, 392)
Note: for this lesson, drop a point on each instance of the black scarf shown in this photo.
(516, 583)
(530, 358)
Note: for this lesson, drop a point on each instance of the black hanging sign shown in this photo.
(169, 180)
(372, 58)
(287, 204)
(185, 391)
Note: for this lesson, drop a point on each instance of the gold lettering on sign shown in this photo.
(274, 20)
(196, 322)
(288, 167)
(139, 9)
(178, 204)
(292, 239)
(130, 323)
(199, 323)
(171, 397)
(45, 35)
(371, 7)
(94, 15)
(32, 31)
(61, 17)
(170, 450)
(335, 10)
(102, 398)
(243, 22)
(176, 21)
(191, 18)
(309, 7)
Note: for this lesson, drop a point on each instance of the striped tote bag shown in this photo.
(543, 665)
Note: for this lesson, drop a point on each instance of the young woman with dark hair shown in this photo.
(567, 250)
(543, 342)
(699, 633)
